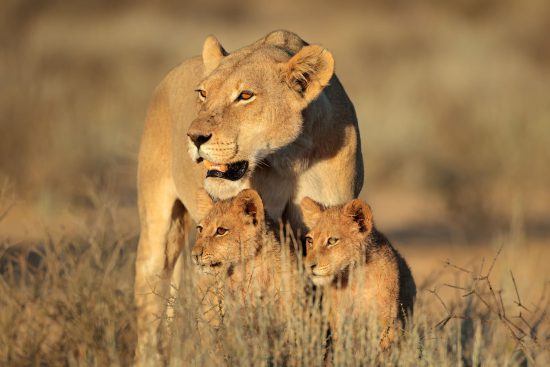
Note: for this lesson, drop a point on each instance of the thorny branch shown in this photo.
(481, 287)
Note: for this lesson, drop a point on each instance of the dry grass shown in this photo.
(453, 103)
(482, 324)
(68, 302)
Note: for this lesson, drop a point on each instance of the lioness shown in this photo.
(271, 116)
(356, 265)
(235, 245)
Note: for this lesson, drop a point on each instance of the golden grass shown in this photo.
(69, 302)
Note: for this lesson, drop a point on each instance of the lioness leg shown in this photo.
(176, 241)
(173, 267)
(156, 258)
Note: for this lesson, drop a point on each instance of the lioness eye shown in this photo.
(221, 231)
(332, 241)
(309, 240)
(199, 229)
(202, 93)
(245, 95)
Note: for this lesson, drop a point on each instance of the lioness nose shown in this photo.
(199, 139)
(312, 266)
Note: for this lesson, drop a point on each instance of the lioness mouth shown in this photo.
(232, 171)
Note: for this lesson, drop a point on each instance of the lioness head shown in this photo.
(336, 238)
(229, 231)
(250, 104)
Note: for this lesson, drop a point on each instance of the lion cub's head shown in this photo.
(229, 231)
(250, 104)
(336, 238)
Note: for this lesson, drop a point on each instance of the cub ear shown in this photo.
(309, 71)
(360, 213)
(204, 203)
(251, 205)
(212, 54)
(311, 211)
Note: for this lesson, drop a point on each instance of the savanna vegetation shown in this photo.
(454, 109)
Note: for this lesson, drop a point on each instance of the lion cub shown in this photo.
(356, 265)
(235, 245)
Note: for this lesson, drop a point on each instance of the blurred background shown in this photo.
(453, 99)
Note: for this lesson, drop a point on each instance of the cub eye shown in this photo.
(220, 231)
(245, 95)
(332, 241)
(202, 93)
(199, 229)
(309, 240)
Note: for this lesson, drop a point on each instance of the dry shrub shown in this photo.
(68, 301)
(474, 327)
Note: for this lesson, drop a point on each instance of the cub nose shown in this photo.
(312, 267)
(199, 139)
(196, 253)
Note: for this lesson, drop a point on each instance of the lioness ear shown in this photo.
(309, 71)
(250, 204)
(212, 54)
(360, 213)
(311, 211)
(204, 203)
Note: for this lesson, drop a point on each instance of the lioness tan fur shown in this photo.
(357, 266)
(275, 105)
(235, 246)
